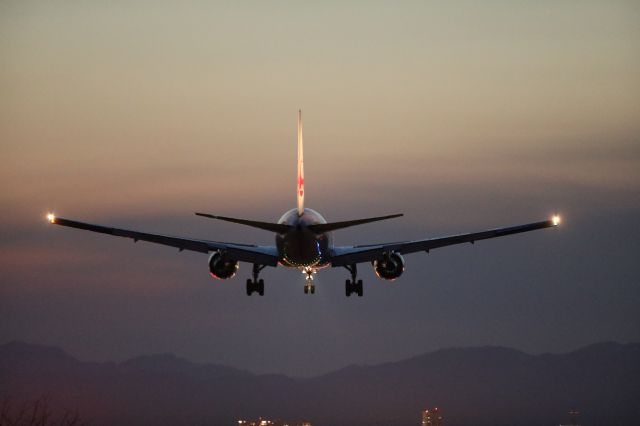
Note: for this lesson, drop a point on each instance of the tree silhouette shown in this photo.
(38, 412)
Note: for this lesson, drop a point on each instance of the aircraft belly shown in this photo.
(302, 249)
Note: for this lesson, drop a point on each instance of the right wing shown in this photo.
(342, 256)
(263, 255)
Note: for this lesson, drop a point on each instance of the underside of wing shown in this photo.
(343, 256)
(263, 255)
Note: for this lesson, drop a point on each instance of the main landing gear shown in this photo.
(353, 285)
(256, 285)
(309, 287)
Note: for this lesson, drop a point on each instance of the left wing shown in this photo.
(263, 255)
(343, 256)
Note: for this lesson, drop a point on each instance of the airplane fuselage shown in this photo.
(300, 247)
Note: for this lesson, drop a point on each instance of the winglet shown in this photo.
(300, 189)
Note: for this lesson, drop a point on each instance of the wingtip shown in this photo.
(204, 214)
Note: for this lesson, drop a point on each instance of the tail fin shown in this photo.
(300, 167)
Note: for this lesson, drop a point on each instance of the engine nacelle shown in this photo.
(222, 267)
(389, 267)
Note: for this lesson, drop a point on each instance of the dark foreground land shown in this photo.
(472, 386)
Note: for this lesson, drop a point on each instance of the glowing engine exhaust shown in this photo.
(221, 267)
(390, 267)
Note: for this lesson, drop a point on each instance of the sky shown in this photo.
(464, 116)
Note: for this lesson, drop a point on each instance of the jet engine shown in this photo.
(222, 267)
(390, 266)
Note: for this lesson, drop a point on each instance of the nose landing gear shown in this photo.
(309, 287)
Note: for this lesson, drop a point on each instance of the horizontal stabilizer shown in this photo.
(267, 226)
(327, 227)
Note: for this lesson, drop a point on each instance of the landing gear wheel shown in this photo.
(309, 287)
(353, 285)
(255, 285)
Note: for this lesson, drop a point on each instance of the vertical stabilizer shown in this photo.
(300, 167)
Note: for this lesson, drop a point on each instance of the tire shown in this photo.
(249, 287)
(313, 289)
(261, 287)
(359, 288)
(347, 288)
(306, 290)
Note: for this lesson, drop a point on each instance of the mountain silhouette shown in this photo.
(472, 386)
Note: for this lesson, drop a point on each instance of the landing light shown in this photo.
(555, 220)
(51, 218)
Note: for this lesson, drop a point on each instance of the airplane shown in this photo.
(303, 241)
